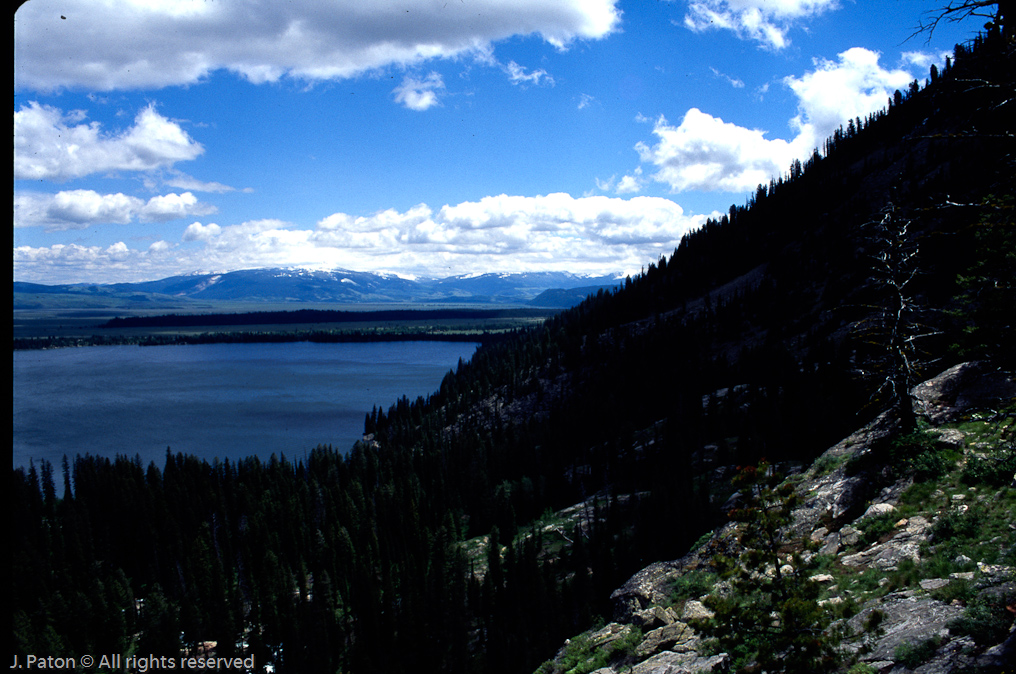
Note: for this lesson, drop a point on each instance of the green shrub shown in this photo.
(917, 454)
(957, 590)
(958, 525)
(691, 586)
(995, 468)
(826, 464)
(914, 454)
(985, 619)
(862, 668)
(930, 465)
(580, 657)
(867, 582)
(877, 526)
(873, 623)
(913, 655)
(907, 574)
(918, 495)
(846, 609)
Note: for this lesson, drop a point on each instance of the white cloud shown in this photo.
(734, 82)
(596, 234)
(131, 44)
(79, 209)
(854, 85)
(51, 145)
(185, 182)
(629, 184)
(173, 207)
(70, 262)
(198, 232)
(73, 209)
(706, 153)
(764, 21)
(555, 231)
(419, 94)
(518, 75)
(924, 60)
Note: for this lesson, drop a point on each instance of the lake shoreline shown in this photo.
(254, 337)
(229, 400)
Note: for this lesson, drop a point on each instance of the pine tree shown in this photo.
(770, 618)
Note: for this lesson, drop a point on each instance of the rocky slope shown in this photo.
(916, 572)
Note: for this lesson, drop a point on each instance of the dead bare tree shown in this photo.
(998, 14)
(892, 330)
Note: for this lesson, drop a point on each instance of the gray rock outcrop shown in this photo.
(831, 521)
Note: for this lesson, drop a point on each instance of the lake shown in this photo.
(214, 400)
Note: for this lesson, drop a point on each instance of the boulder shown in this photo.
(976, 384)
(849, 536)
(904, 545)
(649, 586)
(831, 544)
(906, 619)
(951, 438)
(876, 509)
(831, 497)
(653, 617)
(934, 583)
(674, 637)
(695, 610)
(679, 663)
(608, 635)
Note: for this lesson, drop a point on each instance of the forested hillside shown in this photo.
(432, 545)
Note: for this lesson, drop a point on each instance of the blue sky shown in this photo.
(423, 137)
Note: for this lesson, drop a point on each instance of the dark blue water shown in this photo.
(214, 400)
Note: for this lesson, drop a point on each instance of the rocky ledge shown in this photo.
(909, 568)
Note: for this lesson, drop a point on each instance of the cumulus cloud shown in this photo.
(118, 262)
(168, 207)
(198, 232)
(73, 209)
(52, 145)
(419, 94)
(129, 44)
(596, 234)
(71, 262)
(854, 85)
(631, 183)
(80, 209)
(554, 231)
(255, 243)
(705, 153)
(764, 21)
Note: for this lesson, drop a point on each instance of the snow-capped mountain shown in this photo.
(342, 286)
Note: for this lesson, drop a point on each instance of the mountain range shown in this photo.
(278, 285)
